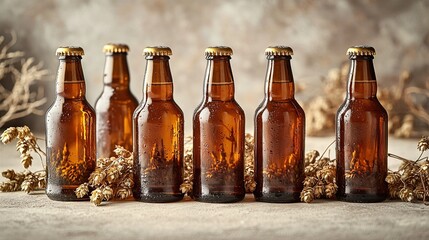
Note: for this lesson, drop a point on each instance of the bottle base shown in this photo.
(361, 198)
(65, 193)
(219, 198)
(159, 198)
(277, 197)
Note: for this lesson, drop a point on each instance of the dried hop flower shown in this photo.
(311, 156)
(108, 193)
(8, 135)
(82, 190)
(113, 174)
(307, 195)
(406, 195)
(123, 193)
(96, 196)
(393, 177)
(26, 160)
(9, 174)
(423, 144)
(97, 177)
(425, 167)
(330, 190)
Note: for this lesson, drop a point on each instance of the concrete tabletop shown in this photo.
(36, 217)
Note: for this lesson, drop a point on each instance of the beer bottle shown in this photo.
(70, 129)
(218, 143)
(158, 133)
(116, 104)
(279, 133)
(361, 134)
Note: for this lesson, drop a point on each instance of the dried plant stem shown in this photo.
(326, 149)
(396, 156)
(20, 100)
(417, 109)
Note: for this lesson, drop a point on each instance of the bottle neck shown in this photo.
(362, 82)
(279, 84)
(219, 82)
(116, 73)
(157, 79)
(70, 79)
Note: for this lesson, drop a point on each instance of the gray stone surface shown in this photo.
(36, 217)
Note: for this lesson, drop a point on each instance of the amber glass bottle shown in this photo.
(158, 133)
(218, 143)
(279, 133)
(70, 130)
(361, 134)
(116, 104)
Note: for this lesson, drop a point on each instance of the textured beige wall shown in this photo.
(318, 31)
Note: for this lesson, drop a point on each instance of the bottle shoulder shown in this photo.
(111, 94)
(221, 107)
(362, 105)
(149, 107)
(70, 106)
(361, 109)
(105, 102)
(275, 107)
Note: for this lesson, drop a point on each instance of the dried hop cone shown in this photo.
(9, 174)
(423, 144)
(97, 196)
(108, 193)
(393, 178)
(97, 177)
(127, 182)
(123, 193)
(406, 195)
(331, 190)
(29, 184)
(249, 169)
(82, 190)
(319, 177)
(424, 168)
(186, 186)
(9, 134)
(311, 157)
(113, 174)
(26, 160)
(307, 195)
(113, 177)
(419, 192)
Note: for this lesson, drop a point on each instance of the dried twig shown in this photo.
(19, 100)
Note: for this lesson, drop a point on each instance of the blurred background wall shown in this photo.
(318, 31)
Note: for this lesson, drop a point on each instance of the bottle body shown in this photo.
(158, 137)
(218, 138)
(159, 146)
(218, 152)
(361, 138)
(70, 134)
(361, 128)
(279, 152)
(279, 136)
(115, 107)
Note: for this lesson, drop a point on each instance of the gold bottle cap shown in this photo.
(361, 51)
(279, 51)
(218, 51)
(157, 51)
(116, 48)
(69, 51)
